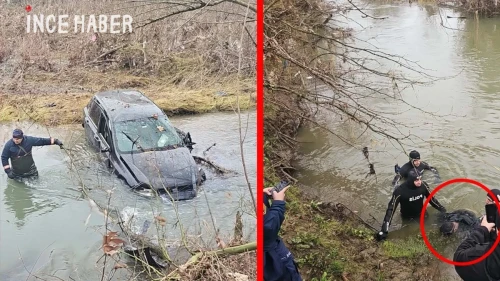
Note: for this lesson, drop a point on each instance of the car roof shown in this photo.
(124, 104)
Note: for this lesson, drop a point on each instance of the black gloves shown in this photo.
(9, 173)
(58, 142)
(381, 236)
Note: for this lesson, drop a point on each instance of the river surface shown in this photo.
(48, 228)
(464, 143)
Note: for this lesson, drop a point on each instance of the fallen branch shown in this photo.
(357, 217)
(218, 168)
(175, 275)
(96, 60)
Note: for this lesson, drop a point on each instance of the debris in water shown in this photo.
(120, 265)
(94, 207)
(161, 220)
(87, 220)
(145, 227)
(365, 152)
(111, 243)
(220, 243)
(372, 169)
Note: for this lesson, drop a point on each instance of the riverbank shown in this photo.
(52, 98)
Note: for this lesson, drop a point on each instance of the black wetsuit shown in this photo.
(412, 200)
(408, 166)
(473, 247)
(21, 156)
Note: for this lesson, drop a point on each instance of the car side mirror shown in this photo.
(188, 141)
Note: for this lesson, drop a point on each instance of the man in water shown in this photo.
(18, 150)
(414, 164)
(411, 195)
(459, 221)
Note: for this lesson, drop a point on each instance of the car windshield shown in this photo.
(146, 134)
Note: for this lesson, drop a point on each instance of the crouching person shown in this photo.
(279, 263)
(478, 244)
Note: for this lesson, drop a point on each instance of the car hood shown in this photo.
(169, 168)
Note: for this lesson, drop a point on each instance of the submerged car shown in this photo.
(140, 144)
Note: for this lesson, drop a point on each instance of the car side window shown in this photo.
(107, 137)
(95, 112)
(104, 130)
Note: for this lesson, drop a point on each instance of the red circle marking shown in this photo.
(422, 215)
(28, 8)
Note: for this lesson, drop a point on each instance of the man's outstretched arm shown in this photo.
(434, 202)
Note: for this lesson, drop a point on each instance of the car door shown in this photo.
(91, 123)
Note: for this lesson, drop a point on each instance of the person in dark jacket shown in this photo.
(475, 246)
(414, 164)
(279, 263)
(460, 222)
(19, 151)
(410, 195)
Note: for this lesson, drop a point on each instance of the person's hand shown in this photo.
(280, 195)
(58, 142)
(9, 173)
(382, 235)
(488, 225)
(268, 190)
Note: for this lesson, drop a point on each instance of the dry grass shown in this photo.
(215, 268)
(183, 63)
(64, 108)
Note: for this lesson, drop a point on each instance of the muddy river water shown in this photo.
(465, 143)
(45, 225)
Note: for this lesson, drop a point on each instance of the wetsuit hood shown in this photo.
(414, 155)
(412, 176)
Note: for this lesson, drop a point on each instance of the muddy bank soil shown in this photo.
(330, 242)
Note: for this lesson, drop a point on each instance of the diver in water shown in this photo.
(414, 164)
(18, 150)
(411, 196)
(460, 221)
